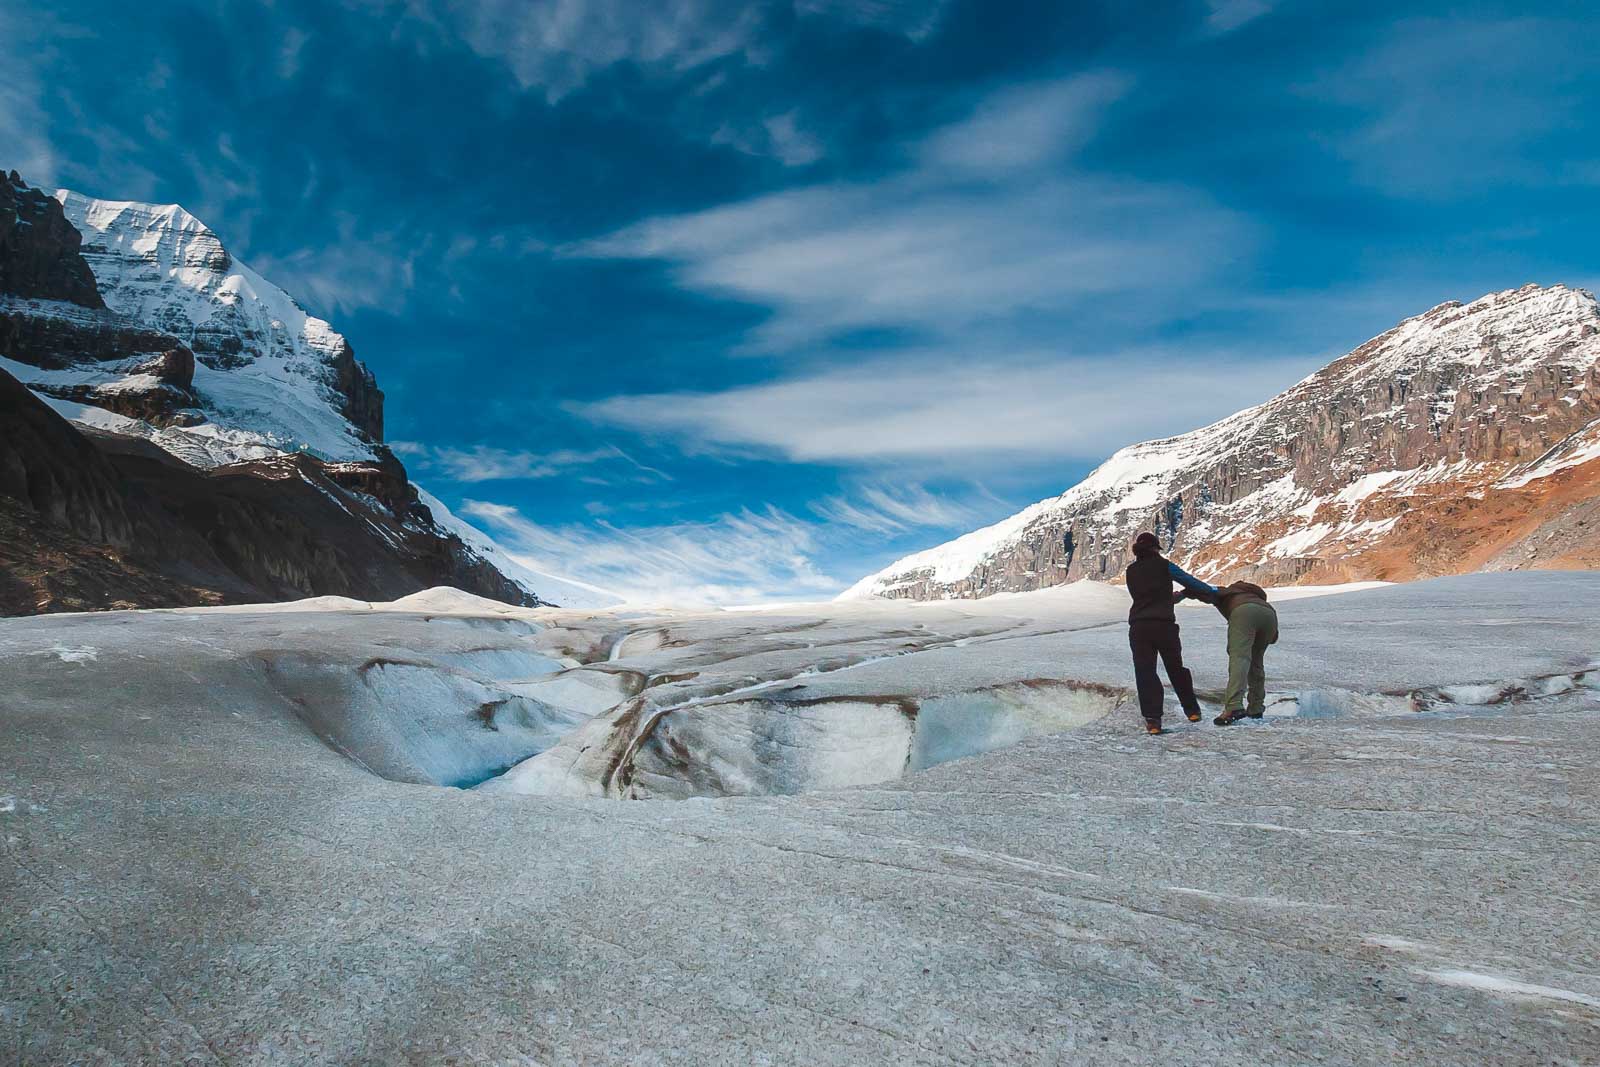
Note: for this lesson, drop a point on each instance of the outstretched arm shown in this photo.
(1192, 586)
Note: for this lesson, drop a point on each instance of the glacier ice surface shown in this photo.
(196, 864)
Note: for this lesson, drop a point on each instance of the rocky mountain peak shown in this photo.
(187, 433)
(163, 236)
(1350, 473)
(267, 377)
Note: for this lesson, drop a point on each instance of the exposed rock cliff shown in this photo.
(92, 520)
(1460, 440)
(39, 248)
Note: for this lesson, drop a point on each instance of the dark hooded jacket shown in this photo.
(1150, 579)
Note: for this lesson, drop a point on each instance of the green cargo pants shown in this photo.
(1251, 628)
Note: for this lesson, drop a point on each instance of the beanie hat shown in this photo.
(1146, 545)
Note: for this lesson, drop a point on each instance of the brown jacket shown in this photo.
(1231, 596)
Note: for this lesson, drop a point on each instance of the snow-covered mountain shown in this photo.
(1466, 438)
(133, 322)
(262, 363)
(268, 378)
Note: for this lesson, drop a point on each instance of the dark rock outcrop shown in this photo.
(51, 312)
(363, 400)
(174, 367)
(57, 335)
(157, 403)
(39, 248)
(54, 472)
(95, 521)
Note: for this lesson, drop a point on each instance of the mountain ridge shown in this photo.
(1480, 402)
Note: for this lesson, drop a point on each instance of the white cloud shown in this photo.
(758, 554)
(778, 136)
(557, 45)
(338, 279)
(1026, 126)
(294, 40)
(948, 409)
(484, 463)
(898, 253)
(227, 190)
(27, 150)
(752, 556)
(791, 145)
(915, 19)
(1225, 16)
(890, 510)
(1454, 105)
(351, 270)
(932, 250)
(989, 230)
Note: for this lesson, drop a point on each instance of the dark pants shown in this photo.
(1149, 639)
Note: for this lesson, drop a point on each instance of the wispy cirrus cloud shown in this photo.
(743, 557)
(992, 230)
(913, 18)
(778, 136)
(1225, 16)
(1452, 105)
(556, 46)
(486, 463)
(946, 408)
(352, 268)
(1026, 126)
(289, 52)
(984, 227)
(752, 555)
(23, 124)
(894, 509)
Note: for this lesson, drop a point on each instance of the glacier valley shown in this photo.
(336, 831)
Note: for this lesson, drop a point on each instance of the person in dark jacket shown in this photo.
(1252, 626)
(1153, 629)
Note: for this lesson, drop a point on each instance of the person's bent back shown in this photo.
(1252, 627)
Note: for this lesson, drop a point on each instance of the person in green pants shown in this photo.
(1252, 626)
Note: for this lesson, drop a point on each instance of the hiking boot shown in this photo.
(1228, 718)
(1153, 728)
(1255, 714)
(1193, 716)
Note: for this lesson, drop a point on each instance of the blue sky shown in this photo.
(730, 302)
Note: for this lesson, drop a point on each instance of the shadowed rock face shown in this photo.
(363, 400)
(51, 470)
(39, 248)
(1358, 472)
(51, 312)
(100, 521)
(55, 336)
